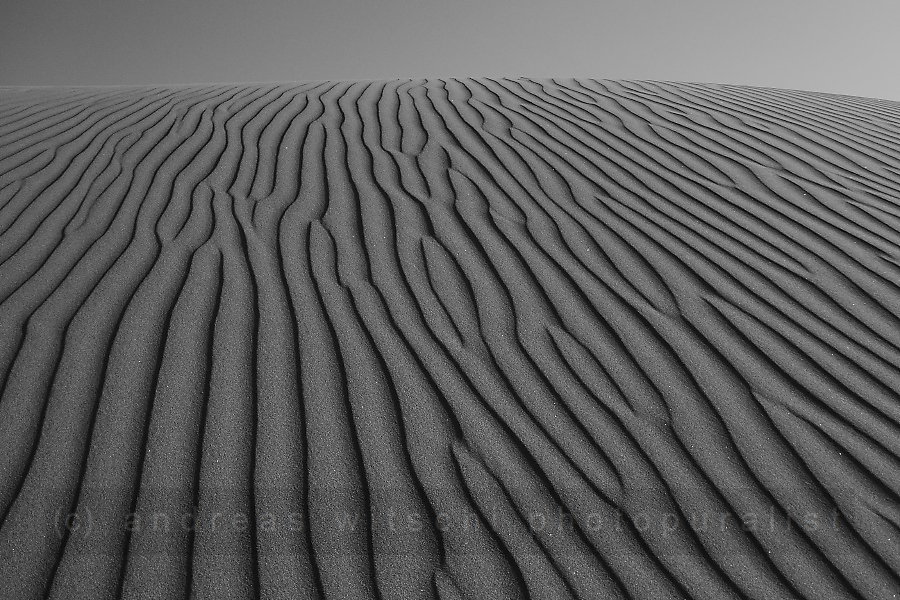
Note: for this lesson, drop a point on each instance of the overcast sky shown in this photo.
(850, 47)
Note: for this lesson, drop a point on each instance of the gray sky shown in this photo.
(849, 47)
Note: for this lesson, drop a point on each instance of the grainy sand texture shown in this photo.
(449, 339)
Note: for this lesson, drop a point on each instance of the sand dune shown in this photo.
(452, 339)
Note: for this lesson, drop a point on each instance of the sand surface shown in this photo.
(454, 339)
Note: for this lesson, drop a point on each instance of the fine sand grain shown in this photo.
(449, 339)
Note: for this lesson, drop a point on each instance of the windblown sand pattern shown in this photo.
(449, 339)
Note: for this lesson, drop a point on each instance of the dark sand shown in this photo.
(449, 339)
